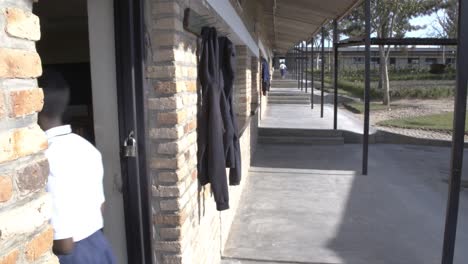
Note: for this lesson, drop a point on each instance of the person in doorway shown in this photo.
(283, 69)
(75, 182)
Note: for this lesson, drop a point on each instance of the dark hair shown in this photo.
(56, 93)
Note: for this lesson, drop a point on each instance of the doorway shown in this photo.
(78, 40)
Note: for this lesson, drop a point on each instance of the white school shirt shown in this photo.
(75, 183)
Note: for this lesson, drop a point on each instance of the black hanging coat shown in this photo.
(211, 152)
(231, 136)
(219, 146)
(265, 76)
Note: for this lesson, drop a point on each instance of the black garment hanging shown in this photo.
(211, 159)
(265, 76)
(231, 142)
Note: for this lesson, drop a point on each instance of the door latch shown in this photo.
(130, 146)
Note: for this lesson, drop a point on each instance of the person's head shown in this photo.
(56, 97)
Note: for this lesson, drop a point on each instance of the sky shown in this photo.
(429, 22)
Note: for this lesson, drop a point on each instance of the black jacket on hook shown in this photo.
(218, 138)
(231, 139)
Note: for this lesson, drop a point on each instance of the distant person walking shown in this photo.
(283, 69)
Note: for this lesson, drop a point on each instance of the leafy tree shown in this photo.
(447, 19)
(389, 19)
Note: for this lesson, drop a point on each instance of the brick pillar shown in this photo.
(255, 89)
(180, 208)
(25, 235)
(243, 84)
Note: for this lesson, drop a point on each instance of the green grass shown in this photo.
(358, 107)
(356, 89)
(441, 122)
(402, 77)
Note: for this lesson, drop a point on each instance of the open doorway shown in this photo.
(78, 41)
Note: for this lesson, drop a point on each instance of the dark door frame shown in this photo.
(129, 42)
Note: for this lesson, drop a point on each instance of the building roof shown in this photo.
(296, 20)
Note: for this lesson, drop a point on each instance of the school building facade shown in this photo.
(132, 68)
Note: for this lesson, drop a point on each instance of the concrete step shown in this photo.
(292, 95)
(288, 102)
(277, 85)
(292, 98)
(302, 140)
(300, 136)
(288, 132)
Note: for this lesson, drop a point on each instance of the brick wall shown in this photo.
(25, 235)
(243, 82)
(255, 78)
(186, 226)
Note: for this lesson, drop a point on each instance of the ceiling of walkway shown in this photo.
(296, 20)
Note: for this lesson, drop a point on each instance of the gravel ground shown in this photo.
(411, 108)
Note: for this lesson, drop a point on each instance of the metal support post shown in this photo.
(335, 73)
(302, 65)
(458, 136)
(306, 62)
(298, 67)
(312, 86)
(322, 72)
(365, 153)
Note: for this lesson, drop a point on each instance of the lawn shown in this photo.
(358, 107)
(442, 122)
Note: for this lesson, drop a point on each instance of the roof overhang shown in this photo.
(295, 20)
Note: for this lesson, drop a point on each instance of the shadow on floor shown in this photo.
(308, 204)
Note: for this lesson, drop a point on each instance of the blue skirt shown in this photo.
(94, 249)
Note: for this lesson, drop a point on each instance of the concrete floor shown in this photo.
(301, 116)
(310, 204)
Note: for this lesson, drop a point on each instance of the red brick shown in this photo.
(21, 142)
(39, 245)
(192, 125)
(170, 219)
(19, 64)
(171, 118)
(7, 151)
(170, 233)
(165, 163)
(22, 24)
(169, 246)
(173, 23)
(29, 141)
(3, 106)
(10, 258)
(25, 102)
(33, 177)
(191, 86)
(194, 174)
(166, 8)
(173, 259)
(169, 87)
(6, 189)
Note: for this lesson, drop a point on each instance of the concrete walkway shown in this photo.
(301, 116)
(309, 204)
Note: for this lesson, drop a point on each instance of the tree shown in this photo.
(389, 19)
(447, 19)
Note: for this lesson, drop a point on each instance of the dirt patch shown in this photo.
(412, 108)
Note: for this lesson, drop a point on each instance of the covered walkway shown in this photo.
(310, 203)
(294, 111)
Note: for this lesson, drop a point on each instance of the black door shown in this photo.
(129, 28)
